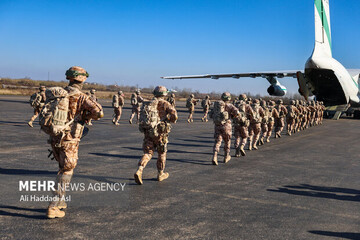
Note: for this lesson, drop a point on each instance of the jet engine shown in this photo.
(277, 90)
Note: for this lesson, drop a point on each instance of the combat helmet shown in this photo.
(207, 96)
(173, 95)
(92, 91)
(120, 92)
(76, 73)
(192, 96)
(160, 91)
(42, 88)
(138, 92)
(263, 103)
(292, 102)
(243, 97)
(226, 96)
(271, 103)
(279, 101)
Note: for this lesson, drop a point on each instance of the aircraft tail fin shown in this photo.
(322, 28)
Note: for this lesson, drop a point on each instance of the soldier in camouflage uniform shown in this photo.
(255, 124)
(206, 103)
(118, 104)
(171, 99)
(299, 116)
(322, 109)
(37, 107)
(265, 122)
(156, 138)
(241, 125)
(65, 146)
(222, 114)
(136, 101)
(291, 116)
(273, 114)
(312, 111)
(279, 121)
(190, 104)
(305, 115)
(93, 97)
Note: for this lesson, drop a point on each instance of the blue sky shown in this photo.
(135, 42)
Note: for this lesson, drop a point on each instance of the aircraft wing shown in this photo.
(267, 75)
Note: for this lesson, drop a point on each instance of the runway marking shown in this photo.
(267, 202)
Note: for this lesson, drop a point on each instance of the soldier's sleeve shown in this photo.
(233, 110)
(43, 96)
(275, 113)
(172, 113)
(284, 109)
(94, 109)
(262, 112)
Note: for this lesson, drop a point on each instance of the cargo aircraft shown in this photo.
(323, 76)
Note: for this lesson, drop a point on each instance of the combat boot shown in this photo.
(130, 121)
(202, 119)
(30, 124)
(206, 120)
(116, 123)
(62, 205)
(237, 153)
(261, 141)
(188, 120)
(227, 158)
(214, 159)
(54, 212)
(289, 133)
(162, 176)
(138, 175)
(278, 135)
(255, 147)
(242, 151)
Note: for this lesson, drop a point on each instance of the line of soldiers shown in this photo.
(252, 121)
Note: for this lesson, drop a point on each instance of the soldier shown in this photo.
(118, 103)
(273, 114)
(241, 125)
(171, 99)
(222, 114)
(305, 115)
(299, 116)
(312, 110)
(255, 124)
(81, 108)
(322, 109)
(291, 115)
(93, 95)
(279, 121)
(264, 122)
(37, 101)
(190, 104)
(156, 131)
(206, 103)
(136, 101)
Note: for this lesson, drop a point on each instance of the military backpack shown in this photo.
(134, 100)
(291, 112)
(54, 115)
(115, 101)
(35, 100)
(189, 103)
(219, 115)
(149, 118)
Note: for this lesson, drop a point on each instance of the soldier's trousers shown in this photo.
(264, 129)
(290, 124)
(254, 133)
(117, 112)
(222, 132)
(149, 145)
(206, 111)
(135, 110)
(270, 128)
(191, 112)
(241, 134)
(66, 154)
(279, 125)
(36, 113)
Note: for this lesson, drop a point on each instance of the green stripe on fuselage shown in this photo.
(324, 19)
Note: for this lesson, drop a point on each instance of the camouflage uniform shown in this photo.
(167, 114)
(312, 111)
(255, 124)
(136, 107)
(171, 99)
(206, 103)
(223, 131)
(265, 122)
(191, 107)
(241, 125)
(279, 121)
(304, 120)
(118, 108)
(273, 114)
(292, 113)
(37, 109)
(65, 148)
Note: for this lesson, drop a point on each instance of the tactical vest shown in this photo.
(115, 101)
(149, 118)
(219, 115)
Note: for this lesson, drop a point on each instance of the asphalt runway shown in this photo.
(304, 186)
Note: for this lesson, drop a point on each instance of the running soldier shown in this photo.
(205, 104)
(255, 124)
(312, 111)
(37, 101)
(64, 121)
(279, 121)
(93, 95)
(222, 113)
(118, 104)
(190, 104)
(136, 101)
(155, 118)
(291, 115)
(273, 114)
(264, 122)
(171, 99)
(241, 125)
(305, 115)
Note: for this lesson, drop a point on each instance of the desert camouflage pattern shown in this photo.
(118, 109)
(279, 121)
(256, 118)
(37, 109)
(241, 126)
(206, 103)
(135, 110)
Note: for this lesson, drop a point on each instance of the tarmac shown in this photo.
(304, 186)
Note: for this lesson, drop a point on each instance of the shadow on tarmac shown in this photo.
(344, 235)
(6, 213)
(321, 192)
(14, 101)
